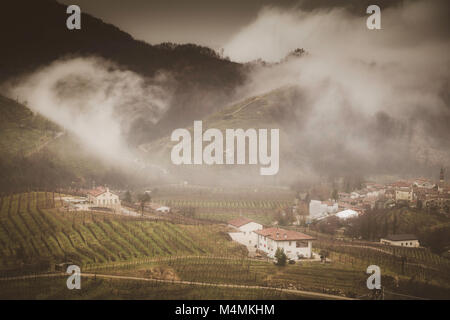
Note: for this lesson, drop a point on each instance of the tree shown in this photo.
(323, 255)
(281, 257)
(285, 216)
(143, 199)
(394, 224)
(335, 195)
(188, 212)
(386, 226)
(127, 197)
(307, 199)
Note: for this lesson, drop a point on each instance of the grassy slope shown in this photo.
(36, 154)
(22, 131)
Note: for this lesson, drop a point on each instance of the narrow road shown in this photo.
(44, 144)
(314, 295)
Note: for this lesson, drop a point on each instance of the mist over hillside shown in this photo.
(354, 101)
(200, 79)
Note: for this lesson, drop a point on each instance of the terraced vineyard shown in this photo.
(227, 204)
(262, 211)
(35, 233)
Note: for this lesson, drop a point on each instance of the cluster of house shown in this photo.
(415, 193)
(103, 199)
(421, 193)
(295, 245)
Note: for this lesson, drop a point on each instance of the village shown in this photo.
(264, 240)
(416, 193)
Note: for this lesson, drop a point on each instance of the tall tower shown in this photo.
(441, 180)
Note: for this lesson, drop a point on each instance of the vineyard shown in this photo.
(55, 288)
(34, 234)
(193, 260)
(338, 278)
(416, 263)
(227, 204)
(223, 210)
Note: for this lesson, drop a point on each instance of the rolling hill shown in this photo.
(310, 145)
(35, 153)
(203, 80)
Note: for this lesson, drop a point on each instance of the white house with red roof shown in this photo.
(295, 245)
(102, 197)
(244, 230)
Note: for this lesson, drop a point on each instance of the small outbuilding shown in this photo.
(401, 240)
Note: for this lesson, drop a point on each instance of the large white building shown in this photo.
(319, 209)
(347, 214)
(295, 245)
(401, 240)
(244, 230)
(103, 198)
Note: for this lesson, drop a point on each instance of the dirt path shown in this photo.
(309, 294)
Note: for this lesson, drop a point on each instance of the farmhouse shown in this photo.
(296, 245)
(103, 198)
(245, 230)
(403, 240)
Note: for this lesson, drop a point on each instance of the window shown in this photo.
(301, 244)
(289, 243)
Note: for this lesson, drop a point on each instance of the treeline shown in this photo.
(42, 172)
(433, 231)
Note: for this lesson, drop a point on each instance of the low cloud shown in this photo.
(95, 100)
(369, 98)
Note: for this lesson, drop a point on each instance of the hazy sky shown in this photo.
(206, 22)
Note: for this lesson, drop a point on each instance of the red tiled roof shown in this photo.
(98, 191)
(239, 222)
(400, 184)
(282, 234)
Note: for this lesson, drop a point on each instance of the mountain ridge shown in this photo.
(198, 71)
